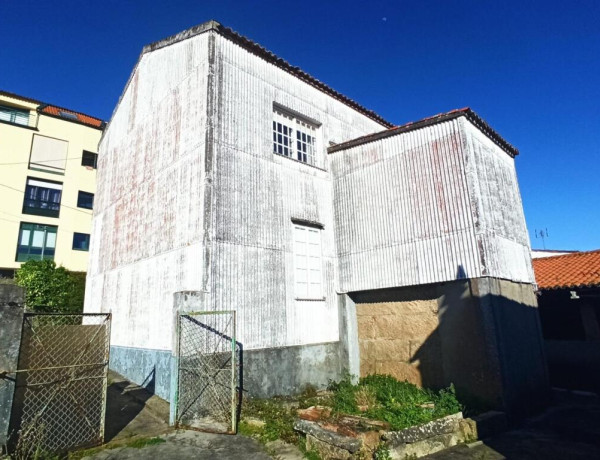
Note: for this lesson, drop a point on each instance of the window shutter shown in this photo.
(48, 154)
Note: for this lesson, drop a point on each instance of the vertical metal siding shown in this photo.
(402, 210)
(148, 213)
(256, 195)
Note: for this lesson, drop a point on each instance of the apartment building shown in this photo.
(48, 157)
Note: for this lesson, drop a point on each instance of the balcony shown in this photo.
(19, 117)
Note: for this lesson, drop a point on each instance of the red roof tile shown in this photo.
(79, 117)
(59, 112)
(570, 270)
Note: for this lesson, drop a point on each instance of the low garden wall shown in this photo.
(340, 442)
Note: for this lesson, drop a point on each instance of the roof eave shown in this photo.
(413, 126)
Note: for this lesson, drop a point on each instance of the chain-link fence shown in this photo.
(60, 394)
(207, 371)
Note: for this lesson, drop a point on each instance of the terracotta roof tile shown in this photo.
(71, 115)
(59, 112)
(570, 270)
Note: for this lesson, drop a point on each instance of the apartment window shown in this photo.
(89, 159)
(36, 242)
(48, 154)
(42, 198)
(294, 137)
(308, 264)
(81, 241)
(14, 115)
(85, 200)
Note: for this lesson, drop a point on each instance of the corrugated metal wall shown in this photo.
(499, 218)
(428, 206)
(148, 215)
(191, 197)
(256, 195)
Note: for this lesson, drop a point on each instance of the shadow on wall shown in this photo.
(486, 340)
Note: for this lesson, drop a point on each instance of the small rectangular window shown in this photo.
(36, 242)
(294, 137)
(42, 198)
(81, 242)
(85, 200)
(308, 264)
(89, 159)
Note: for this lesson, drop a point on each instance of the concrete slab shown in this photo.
(133, 411)
(570, 429)
(183, 445)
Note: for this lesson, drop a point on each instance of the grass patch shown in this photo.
(278, 421)
(401, 404)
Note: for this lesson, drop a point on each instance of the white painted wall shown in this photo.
(148, 215)
(175, 212)
(499, 219)
(430, 205)
(258, 193)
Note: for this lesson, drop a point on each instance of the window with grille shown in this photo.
(36, 242)
(308, 264)
(294, 137)
(42, 198)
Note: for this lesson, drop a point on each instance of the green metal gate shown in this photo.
(206, 371)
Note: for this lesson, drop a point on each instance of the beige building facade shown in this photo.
(48, 158)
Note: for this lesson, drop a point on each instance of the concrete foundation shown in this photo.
(483, 335)
(267, 372)
(12, 304)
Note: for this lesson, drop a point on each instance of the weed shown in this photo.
(309, 454)
(279, 421)
(365, 396)
(382, 452)
(401, 404)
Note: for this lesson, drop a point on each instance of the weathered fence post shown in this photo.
(12, 304)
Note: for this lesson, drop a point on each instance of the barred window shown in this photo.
(294, 137)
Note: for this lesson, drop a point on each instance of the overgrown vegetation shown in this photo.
(378, 397)
(50, 288)
(401, 404)
(278, 420)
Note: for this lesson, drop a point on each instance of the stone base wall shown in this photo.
(483, 335)
(391, 335)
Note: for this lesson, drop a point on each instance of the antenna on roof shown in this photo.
(543, 234)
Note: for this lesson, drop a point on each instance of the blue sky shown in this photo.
(529, 68)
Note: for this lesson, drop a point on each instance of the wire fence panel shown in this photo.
(60, 393)
(207, 370)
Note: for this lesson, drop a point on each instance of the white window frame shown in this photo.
(295, 137)
(308, 262)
